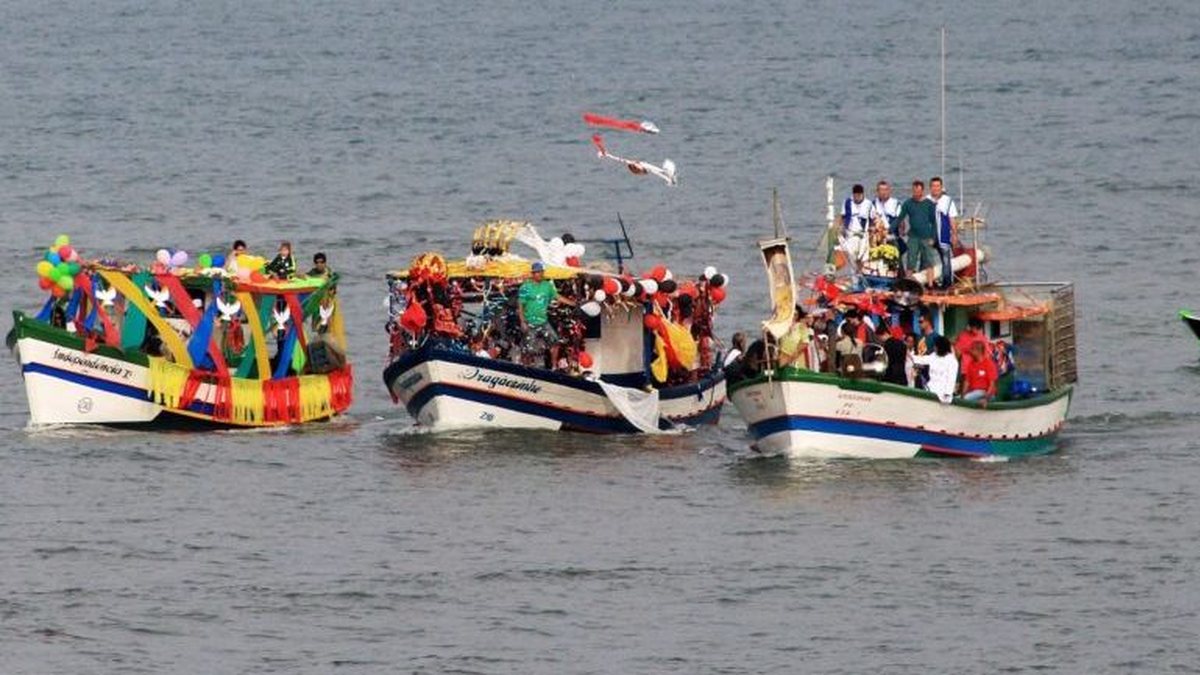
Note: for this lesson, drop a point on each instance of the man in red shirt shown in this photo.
(973, 333)
(979, 374)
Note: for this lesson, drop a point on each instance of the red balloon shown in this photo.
(572, 261)
(611, 286)
(45, 283)
(652, 321)
(717, 294)
(65, 252)
(662, 299)
(58, 291)
(658, 272)
(689, 288)
(585, 360)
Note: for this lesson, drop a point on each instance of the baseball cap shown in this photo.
(537, 266)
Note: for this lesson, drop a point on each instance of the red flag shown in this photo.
(636, 126)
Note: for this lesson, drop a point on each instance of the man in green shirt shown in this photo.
(533, 299)
(920, 216)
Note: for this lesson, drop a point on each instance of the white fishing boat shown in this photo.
(636, 355)
(849, 412)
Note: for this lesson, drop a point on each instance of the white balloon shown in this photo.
(573, 250)
(631, 291)
(649, 285)
(557, 244)
(668, 275)
(600, 295)
(590, 308)
(710, 272)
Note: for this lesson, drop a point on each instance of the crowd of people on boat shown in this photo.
(543, 323)
(854, 343)
(923, 229)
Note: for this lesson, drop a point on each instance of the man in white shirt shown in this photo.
(857, 214)
(887, 208)
(943, 369)
(947, 225)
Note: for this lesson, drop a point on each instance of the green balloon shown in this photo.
(63, 269)
(66, 283)
(205, 261)
(73, 268)
(61, 240)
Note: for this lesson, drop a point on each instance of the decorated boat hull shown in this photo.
(815, 415)
(66, 382)
(445, 389)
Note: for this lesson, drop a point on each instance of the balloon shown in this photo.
(629, 288)
(218, 260)
(65, 252)
(58, 291)
(717, 294)
(650, 286)
(66, 283)
(688, 288)
(179, 258)
(658, 272)
(163, 256)
(61, 240)
(717, 280)
(46, 283)
(662, 299)
(572, 261)
(205, 261)
(590, 308)
(74, 256)
(72, 268)
(62, 269)
(668, 276)
(44, 268)
(611, 286)
(668, 286)
(53, 258)
(652, 321)
(599, 295)
(573, 250)
(585, 360)
(710, 272)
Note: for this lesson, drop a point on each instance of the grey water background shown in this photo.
(376, 130)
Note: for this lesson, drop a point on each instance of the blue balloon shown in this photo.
(53, 257)
(218, 260)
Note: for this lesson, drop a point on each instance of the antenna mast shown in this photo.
(943, 100)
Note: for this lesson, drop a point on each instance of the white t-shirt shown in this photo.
(856, 218)
(889, 209)
(946, 212)
(943, 374)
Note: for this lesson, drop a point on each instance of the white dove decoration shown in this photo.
(228, 310)
(106, 296)
(281, 318)
(326, 312)
(160, 297)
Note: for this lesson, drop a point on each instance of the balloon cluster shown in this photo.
(208, 261)
(659, 285)
(169, 257)
(58, 267)
(566, 251)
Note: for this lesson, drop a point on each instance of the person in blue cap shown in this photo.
(533, 300)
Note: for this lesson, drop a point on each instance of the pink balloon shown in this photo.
(163, 256)
(179, 259)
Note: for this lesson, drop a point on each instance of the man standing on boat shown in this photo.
(919, 214)
(887, 208)
(533, 300)
(857, 214)
(947, 221)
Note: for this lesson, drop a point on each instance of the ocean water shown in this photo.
(377, 130)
